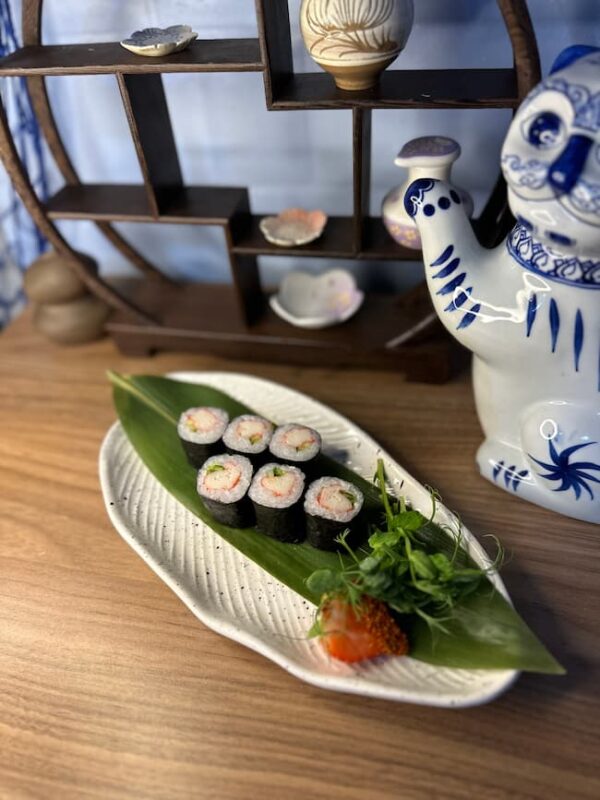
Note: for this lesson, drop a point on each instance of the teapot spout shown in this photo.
(454, 260)
(439, 213)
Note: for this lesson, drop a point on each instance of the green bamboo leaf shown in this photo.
(483, 632)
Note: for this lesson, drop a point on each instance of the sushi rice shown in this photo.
(203, 425)
(295, 443)
(334, 499)
(248, 434)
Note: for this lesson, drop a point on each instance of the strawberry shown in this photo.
(368, 630)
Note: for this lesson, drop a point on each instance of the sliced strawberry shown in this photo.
(356, 634)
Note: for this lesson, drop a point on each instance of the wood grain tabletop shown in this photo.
(111, 688)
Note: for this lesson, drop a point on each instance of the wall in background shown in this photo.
(226, 136)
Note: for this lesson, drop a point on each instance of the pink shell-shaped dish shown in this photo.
(293, 227)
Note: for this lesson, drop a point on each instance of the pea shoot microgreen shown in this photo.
(401, 567)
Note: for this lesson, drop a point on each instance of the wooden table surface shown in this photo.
(110, 688)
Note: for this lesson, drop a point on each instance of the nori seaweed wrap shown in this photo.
(223, 484)
(332, 506)
(276, 494)
(249, 435)
(200, 431)
(296, 444)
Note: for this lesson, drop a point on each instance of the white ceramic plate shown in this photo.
(238, 599)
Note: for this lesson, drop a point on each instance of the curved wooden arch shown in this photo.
(496, 219)
(524, 45)
(81, 264)
(492, 225)
(32, 35)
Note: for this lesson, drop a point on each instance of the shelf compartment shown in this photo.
(203, 317)
(378, 244)
(336, 242)
(194, 205)
(426, 88)
(207, 55)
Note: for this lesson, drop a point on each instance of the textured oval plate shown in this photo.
(238, 599)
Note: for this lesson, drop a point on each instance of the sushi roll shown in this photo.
(249, 436)
(223, 484)
(276, 494)
(200, 431)
(296, 444)
(331, 506)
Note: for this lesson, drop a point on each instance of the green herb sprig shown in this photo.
(402, 568)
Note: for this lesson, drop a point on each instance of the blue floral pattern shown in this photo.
(532, 173)
(537, 257)
(585, 104)
(512, 478)
(573, 475)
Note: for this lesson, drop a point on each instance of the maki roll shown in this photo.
(223, 484)
(296, 444)
(249, 436)
(331, 506)
(276, 494)
(200, 431)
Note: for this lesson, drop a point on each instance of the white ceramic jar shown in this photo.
(427, 156)
(355, 40)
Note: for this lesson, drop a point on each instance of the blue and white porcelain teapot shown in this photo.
(530, 308)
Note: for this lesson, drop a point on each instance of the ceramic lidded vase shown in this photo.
(430, 156)
(355, 40)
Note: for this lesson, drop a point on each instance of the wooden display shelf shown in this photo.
(426, 88)
(378, 244)
(396, 332)
(337, 241)
(216, 205)
(207, 55)
(205, 317)
(114, 202)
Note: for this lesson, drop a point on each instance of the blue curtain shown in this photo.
(20, 240)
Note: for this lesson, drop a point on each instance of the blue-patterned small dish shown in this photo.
(158, 42)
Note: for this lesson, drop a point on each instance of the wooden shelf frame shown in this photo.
(163, 197)
(208, 55)
(399, 88)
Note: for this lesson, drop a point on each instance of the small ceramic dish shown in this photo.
(309, 301)
(158, 42)
(293, 227)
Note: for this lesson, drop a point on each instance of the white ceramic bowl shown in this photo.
(310, 301)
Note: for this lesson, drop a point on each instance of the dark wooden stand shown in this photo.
(399, 332)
